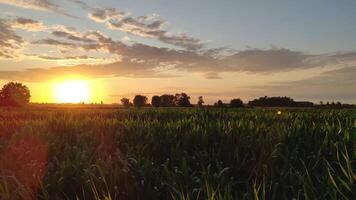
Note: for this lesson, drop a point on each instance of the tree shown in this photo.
(219, 104)
(14, 94)
(182, 100)
(140, 101)
(338, 104)
(155, 101)
(273, 102)
(200, 101)
(167, 100)
(125, 102)
(236, 103)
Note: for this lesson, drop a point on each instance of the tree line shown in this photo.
(17, 94)
(177, 100)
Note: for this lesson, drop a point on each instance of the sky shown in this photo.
(304, 49)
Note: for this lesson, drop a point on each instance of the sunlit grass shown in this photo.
(183, 153)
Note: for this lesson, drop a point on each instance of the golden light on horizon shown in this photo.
(74, 91)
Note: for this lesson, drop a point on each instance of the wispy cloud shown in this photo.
(127, 68)
(10, 42)
(144, 26)
(210, 64)
(74, 60)
(27, 24)
(41, 5)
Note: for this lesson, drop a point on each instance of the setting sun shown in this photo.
(72, 92)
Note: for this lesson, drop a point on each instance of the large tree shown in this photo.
(125, 102)
(155, 101)
(14, 94)
(183, 100)
(273, 102)
(236, 103)
(140, 100)
(167, 100)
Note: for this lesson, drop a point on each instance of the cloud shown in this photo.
(125, 68)
(10, 42)
(71, 36)
(209, 62)
(104, 15)
(55, 43)
(271, 60)
(74, 60)
(41, 5)
(144, 26)
(81, 3)
(212, 75)
(140, 60)
(28, 24)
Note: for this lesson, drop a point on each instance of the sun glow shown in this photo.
(72, 92)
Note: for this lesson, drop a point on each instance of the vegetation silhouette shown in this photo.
(167, 100)
(200, 101)
(183, 100)
(14, 94)
(273, 102)
(236, 103)
(125, 102)
(18, 94)
(219, 104)
(155, 102)
(140, 101)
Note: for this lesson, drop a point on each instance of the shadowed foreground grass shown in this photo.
(177, 154)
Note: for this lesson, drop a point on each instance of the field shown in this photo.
(177, 153)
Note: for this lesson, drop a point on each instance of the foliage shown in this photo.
(273, 102)
(200, 101)
(177, 153)
(182, 100)
(140, 101)
(236, 103)
(14, 94)
(167, 100)
(219, 104)
(155, 101)
(125, 102)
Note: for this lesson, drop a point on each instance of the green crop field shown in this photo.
(177, 153)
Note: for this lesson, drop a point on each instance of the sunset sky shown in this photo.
(305, 49)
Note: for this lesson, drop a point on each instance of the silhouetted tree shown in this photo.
(167, 100)
(140, 101)
(155, 101)
(236, 103)
(182, 100)
(219, 104)
(273, 102)
(200, 101)
(125, 102)
(14, 94)
(338, 104)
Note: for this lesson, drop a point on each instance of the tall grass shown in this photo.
(172, 153)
